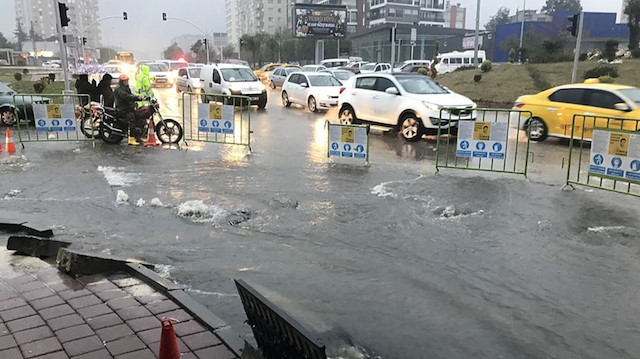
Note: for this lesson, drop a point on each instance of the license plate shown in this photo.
(254, 98)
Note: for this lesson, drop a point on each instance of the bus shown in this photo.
(126, 57)
(450, 61)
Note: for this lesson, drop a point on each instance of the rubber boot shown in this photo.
(133, 141)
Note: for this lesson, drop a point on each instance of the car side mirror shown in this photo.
(622, 107)
(184, 76)
(304, 84)
(392, 91)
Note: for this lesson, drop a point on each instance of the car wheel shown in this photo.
(272, 85)
(285, 99)
(347, 115)
(411, 128)
(537, 129)
(7, 117)
(312, 105)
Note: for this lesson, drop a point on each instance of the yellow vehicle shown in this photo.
(553, 109)
(264, 72)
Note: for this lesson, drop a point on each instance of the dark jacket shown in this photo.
(125, 100)
(84, 87)
(104, 90)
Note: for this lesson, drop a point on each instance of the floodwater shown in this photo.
(389, 260)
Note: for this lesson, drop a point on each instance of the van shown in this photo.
(331, 63)
(232, 79)
(451, 61)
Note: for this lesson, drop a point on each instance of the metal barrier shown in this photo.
(278, 335)
(216, 118)
(49, 117)
(348, 143)
(613, 156)
(486, 140)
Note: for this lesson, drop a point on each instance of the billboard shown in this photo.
(319, 21)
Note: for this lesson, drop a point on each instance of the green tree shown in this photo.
(632, 9)
(20, 35)
(551, 6)
(228, 51)
(4, 43)
(610, 49)
(501, 17)
(250, 43)
(106, 54)
(512, 55)
(173, 52)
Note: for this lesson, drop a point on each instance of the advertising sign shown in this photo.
(349, 143)
(216, 118)
(319, 21)
(54, 117)
(615, 154)
(482, 139)
(468, 42)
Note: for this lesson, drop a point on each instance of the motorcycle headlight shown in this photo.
(431, 106)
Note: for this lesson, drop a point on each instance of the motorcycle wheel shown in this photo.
(109, 137)
(169, 131)
(89, 128)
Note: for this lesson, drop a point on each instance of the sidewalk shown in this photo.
(46, 314)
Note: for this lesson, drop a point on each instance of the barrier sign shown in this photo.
(615, 154)
(54, 117)
(216, 118)
(482, 139)
(349, 142)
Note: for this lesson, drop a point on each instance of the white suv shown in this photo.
(230, 79)
(316, 90)
(410, 103)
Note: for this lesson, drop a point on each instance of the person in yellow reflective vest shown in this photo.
(143, 84)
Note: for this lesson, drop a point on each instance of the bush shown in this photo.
(601, 70)
(423, 71)
(17, 76)
(52, 77)
(605, 79)
(38, 87)
(539, 81)
(583, 57)
(486, 66)
(464, 68)
(610, 49)
(635, 53)
(25, 71)
(512, 55)
(477, 78)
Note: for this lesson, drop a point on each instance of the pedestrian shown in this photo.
(84, 87)
(126, 105)
(105, 91)
(143, 84)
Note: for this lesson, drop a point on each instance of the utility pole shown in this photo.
(475, 44)
(63, 48)
(524, 14)
(393, 45)
(576, 56)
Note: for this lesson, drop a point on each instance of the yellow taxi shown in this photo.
(264, 71)
(602, 104)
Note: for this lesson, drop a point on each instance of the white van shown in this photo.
(332, 63)
(232, 79)
(452, 60)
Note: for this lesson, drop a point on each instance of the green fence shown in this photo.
(49, 117)
(217, 118)
(604, 153)
(484, 139)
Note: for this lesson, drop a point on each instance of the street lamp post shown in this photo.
(206, 45)
(82, 31)
(475, 44)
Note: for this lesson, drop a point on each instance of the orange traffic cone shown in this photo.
(11, 147)
(168, 341)
(152, 141)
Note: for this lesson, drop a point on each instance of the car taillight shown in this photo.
(342, 89)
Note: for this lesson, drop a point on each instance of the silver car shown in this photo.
(189, 80)
(277, 77)
(341, 75)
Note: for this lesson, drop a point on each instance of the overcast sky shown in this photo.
(147, 35)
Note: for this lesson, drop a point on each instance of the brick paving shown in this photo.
(48, 315)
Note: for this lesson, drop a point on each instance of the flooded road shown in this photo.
(391, 260)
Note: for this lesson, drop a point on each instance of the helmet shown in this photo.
(123, 77)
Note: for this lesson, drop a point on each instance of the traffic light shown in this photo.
(64, 18)
(575, 24)
(84, 40)
(204, 41)
(164, 16)
(393, 36)
(64, 39)
(124, 15)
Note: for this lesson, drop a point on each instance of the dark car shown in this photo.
(25, 110)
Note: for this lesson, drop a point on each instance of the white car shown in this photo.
(231, 79)
(333, 63)
(341, 75)
(189, 80)
(160, 74)
(317, 90)
(375, 67)
(410, 103)
(277, 77)
(53, 64)
(312, 68)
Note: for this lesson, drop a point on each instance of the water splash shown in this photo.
(155, 202)
(602, 229)
(382, 191)
(116, 177)
(122, 197)
(141, 202)
(164, 270)
(198, 212)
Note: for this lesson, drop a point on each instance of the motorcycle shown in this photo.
(113, 129)
(89, 118)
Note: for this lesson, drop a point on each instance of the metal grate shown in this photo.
(278, 335)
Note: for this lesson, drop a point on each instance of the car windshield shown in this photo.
(194, 72)
(157, 68)
(632, 94)
(238, 75)
(309, 68)
(320, 80)
(343, 75)
(420, 85)
(289, 70)
(177, 65)
(4, 89)
(367, 67)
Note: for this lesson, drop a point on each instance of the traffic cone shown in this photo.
(168, 341)
(11, 147)
(152, 141)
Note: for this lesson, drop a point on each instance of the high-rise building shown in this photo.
(38, 16)
(253, 16)
(411, 12)
(455, 16)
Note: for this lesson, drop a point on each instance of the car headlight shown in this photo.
(431, 106)
(474, 106)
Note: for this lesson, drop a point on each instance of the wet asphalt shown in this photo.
(389, 260)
